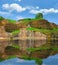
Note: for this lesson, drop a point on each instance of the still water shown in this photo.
(49, 57)
(52, 60)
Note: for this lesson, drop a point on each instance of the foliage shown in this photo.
(15, 46)
(15, 32)
(44, 47)
(1, 18)
(26, 21)
(12, 56)
(45, 31)
(37, 49)
(39, 16)
(38, 60)
(1, 59)
(32, 29)
(25, 57)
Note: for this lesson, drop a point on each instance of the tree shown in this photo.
(1, 18)
(39, 16)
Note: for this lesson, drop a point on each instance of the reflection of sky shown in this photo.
(52, 60)
(17, 61)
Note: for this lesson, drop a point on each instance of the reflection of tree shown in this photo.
(39, 62)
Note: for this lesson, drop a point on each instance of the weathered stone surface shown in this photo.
(25, 34)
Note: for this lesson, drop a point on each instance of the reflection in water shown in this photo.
(24, 44)
(37, 55)
(52, 60)
(17, 61)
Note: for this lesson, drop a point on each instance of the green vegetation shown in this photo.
(1, 18)
(32, 29)
(38, 60)
(12, 56)
(45, 31)
(11, 21)
(1, 59)
(41, 48)
(26, 57)
(15, 32)
(39, 16)
(16, 46)
(26, 21)
(37, 49)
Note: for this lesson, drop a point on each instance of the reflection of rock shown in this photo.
(3, 45)
(9, 50)
(24, 44)
(36, 54)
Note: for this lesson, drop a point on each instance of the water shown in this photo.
(49, 57)
(52, 60)
(17, 61)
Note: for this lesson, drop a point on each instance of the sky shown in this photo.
(19, 9)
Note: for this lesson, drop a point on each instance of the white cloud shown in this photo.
(44, 11)
(18, 0)
(19, 17)
(4, 13)
(20, 60)
(43, 64)
(37, 7)
(31, 7)
(34, 11)
(13, 6)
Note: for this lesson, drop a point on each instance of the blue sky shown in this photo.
(18, 9)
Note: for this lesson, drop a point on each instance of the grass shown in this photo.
(41, 48)
(1, 59)
(45, 31)
(15, 32)
(11, 21)
(15, 46)
(38, 60)
(12, 56)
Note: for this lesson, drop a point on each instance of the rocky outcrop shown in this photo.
(3, 39)
(26, 39)
(44, 24)
(3, 33)
(3, 22)
(26, 34)
(30, 39)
